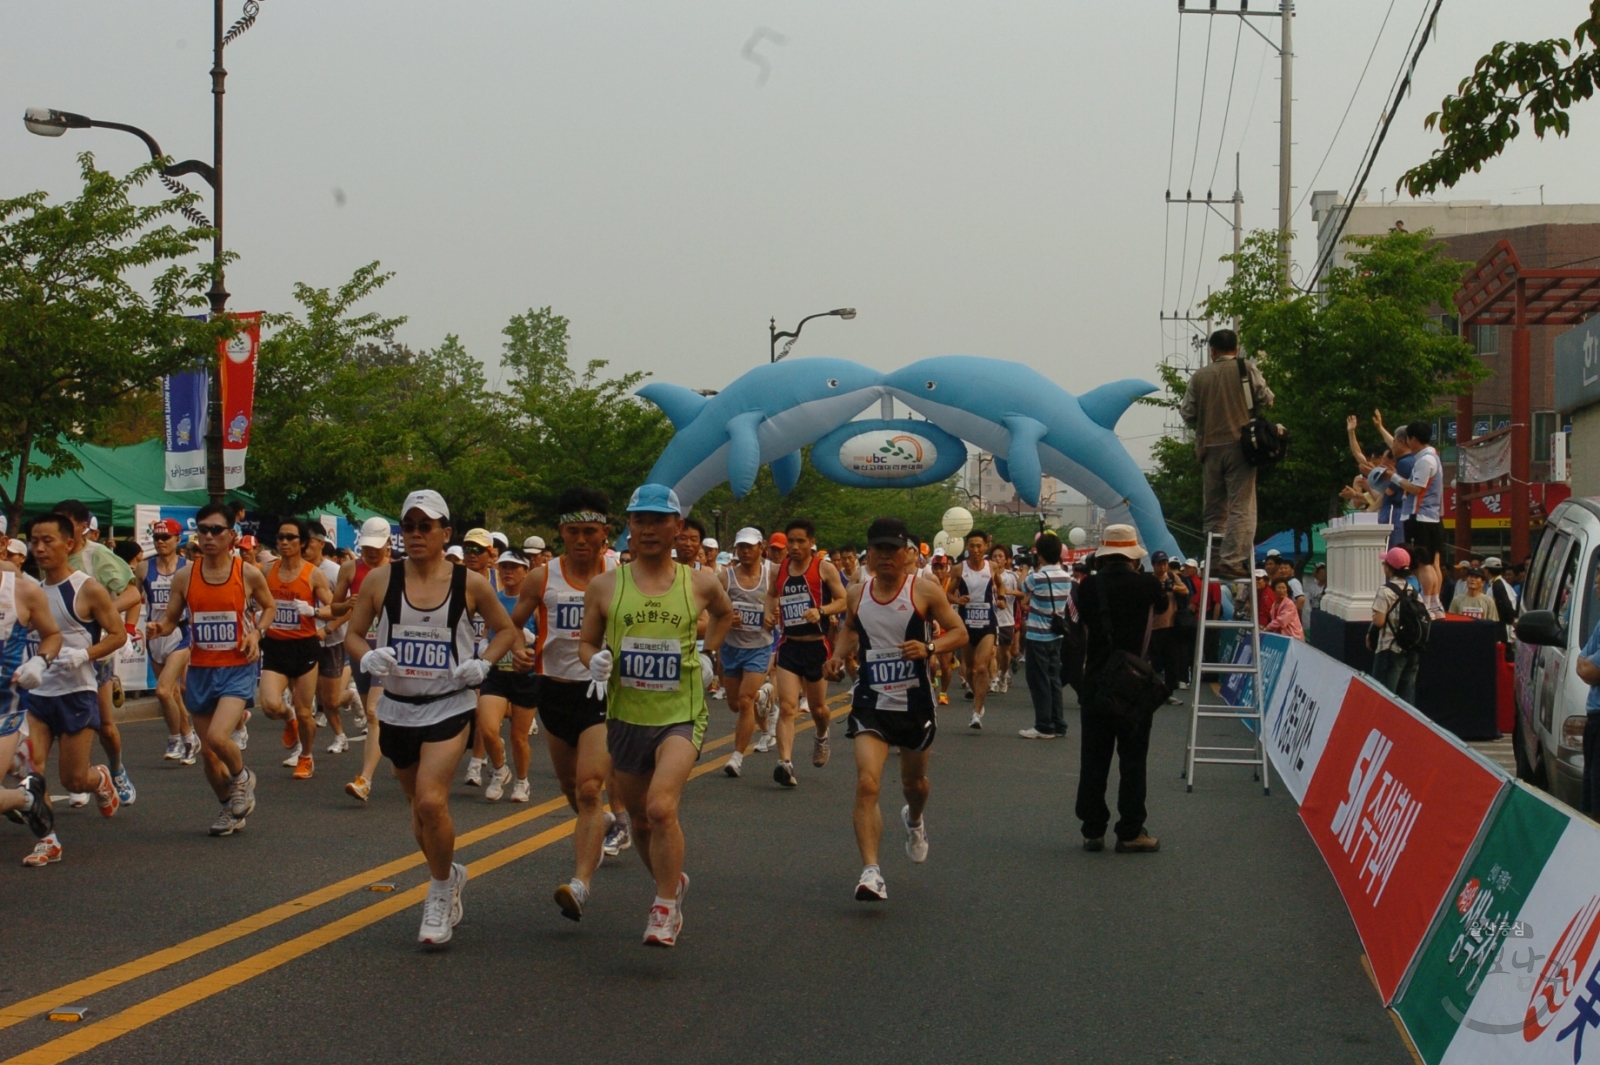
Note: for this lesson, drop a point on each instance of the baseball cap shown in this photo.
(429, 502)
(533, 543)
(1260, 572)
(1493, 562)
(166, 525)
(654, 499)
(454, 551)
(1398, 558)
(723, 558)
(940, 552)
(249, 543)
(777, 540)
(1274, 553)
(1157, 557)
(17, 547)
(500, 540)
(747, 535)
(374, 533)
(94, 523)
(1191, 562)
(710, 544)
(480, 537)
(888, 532)
(511, 557)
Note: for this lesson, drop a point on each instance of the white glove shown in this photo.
(708, 672)
(30, 674)
(305, 609)
(599, 673)
(71, 658)
(379, 663)
(471, 672)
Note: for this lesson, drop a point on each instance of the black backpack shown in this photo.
(1409, 621)
(1264, 442)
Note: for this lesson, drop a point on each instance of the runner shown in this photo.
(224, 649)
(943, 667)
(333, 665)
(374, 546)
(425, 655)
(644, 615)
(1007, 594)
(574, 719)
(169, 656)
(811, 591)
(115, 575)
(892, 703)
(973, 588)
(479, 555)
(290, 652)
(505, 690)
(747, 650)
(64, 704)
(30, 640)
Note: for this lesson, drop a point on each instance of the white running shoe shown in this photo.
(498, 779)
(994, 685)
(764, 742)
(819, 751)
(663, 927)
(1031, 733)
(916, 836)
(871, 888)
(519, 790)
(360, 723)
(241, 735)
(340, 744)
(572, 897)
(533, 725)
(320, 718)
(475, 772)
(735, 763)
(242, 796)
(78, 799)
(191, 749)
(294, 757)
(720, 694)
(977, 720)
(441, 910)
(174, 749)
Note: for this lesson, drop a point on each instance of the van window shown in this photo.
(1552, 552)
(1591, 601)
(1562, 602)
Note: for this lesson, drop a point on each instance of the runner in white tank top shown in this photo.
(747, 649)
(29, 638)
(973, 589)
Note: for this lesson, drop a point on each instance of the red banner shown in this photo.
(1494, 511)
(238, 365)
(1394, 807)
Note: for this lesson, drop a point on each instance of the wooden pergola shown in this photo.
(1499, 290)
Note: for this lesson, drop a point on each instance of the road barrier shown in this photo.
(1476, 898)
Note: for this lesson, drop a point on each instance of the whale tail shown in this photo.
(1106, 404)
(680, 405)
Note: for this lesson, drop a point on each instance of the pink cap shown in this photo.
(1397, 558)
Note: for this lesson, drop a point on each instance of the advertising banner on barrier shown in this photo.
(1305, 691)
(1394, 806)
(238, 369)
(1477, 980)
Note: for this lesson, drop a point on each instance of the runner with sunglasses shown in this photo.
(806, 592)
(291, 649)
(169, 655)
(479, 554)
(425, 653)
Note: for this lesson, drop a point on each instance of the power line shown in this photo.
(1194, 158)
(1205, 226)
(1172, 146)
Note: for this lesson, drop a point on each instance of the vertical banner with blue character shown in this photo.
(183, 398)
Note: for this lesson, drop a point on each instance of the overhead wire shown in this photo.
(1172, 146)
(1222, 135)
(1194, 158)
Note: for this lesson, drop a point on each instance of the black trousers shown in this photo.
(1103, 735)
(1167, 655)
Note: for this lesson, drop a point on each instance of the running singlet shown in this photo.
(428, 644)
(362, 569)
(216, 618)
(978, 584)
(560, 617)
(287, 622)
(655, 676)
(13, 634)
(506, 663)
(750, 605)
(335, 636)
(800, 594)
(75, 632)
(888, 680)
(157, 592)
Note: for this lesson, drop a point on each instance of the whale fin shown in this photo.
(786, 472)
(1003, 468)
(1106, 404)
(1022, 455)
(680, 405)
(744, 452)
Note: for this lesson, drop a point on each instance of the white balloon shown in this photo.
(1077, 537)
(941, 539)
(957, 522)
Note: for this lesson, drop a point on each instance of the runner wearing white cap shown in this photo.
(479, 553)
(373, 546)
(747, 651)
(333, 665)
(507, 691)
(169, 655)
(426, 654)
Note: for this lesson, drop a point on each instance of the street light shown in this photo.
(47, 122)
(846, 313)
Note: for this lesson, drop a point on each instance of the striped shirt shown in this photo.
(1049, 592)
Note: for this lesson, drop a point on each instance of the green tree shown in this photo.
(1366, 340)
(1542, 79)
(569, 428)
(77, 336)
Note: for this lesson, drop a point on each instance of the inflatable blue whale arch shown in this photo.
(1031, 425)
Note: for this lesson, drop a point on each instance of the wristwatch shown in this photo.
(931, 650)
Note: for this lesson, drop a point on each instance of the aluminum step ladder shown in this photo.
(1252, 716)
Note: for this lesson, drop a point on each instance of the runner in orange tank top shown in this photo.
(300, 596)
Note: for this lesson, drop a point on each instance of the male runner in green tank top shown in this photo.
(642, 617)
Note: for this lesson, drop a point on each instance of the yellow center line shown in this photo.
(153, 1009)
(161, 959)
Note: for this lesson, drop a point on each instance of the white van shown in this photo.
(1559, 611)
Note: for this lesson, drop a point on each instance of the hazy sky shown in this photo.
(984, 178)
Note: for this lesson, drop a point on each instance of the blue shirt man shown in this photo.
(1588, 666)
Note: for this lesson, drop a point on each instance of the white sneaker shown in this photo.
(1031, 733)
(916, 836)
(720, 694)
(1005, 683)
(359, 723)
(533, 725)
(764, 742)
(340, 744)
(78, 799)
(441, 910)
(294, 757)
(662, 929)
(735, 763)
(320, 718)
(572, 897)
(994, 685)
(977, 720)
(519, 790)
(475, 772)
(241, 735)
(498, 779)
(871, 888)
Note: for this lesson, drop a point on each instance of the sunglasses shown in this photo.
(288, 536)
(211, 530)
(161, 538)
(476, 549)
(417, 526)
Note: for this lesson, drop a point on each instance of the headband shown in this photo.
(583, 515)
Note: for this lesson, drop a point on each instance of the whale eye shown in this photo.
(833, 382)
(932, 385)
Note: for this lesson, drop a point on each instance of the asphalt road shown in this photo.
(1011, 944)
